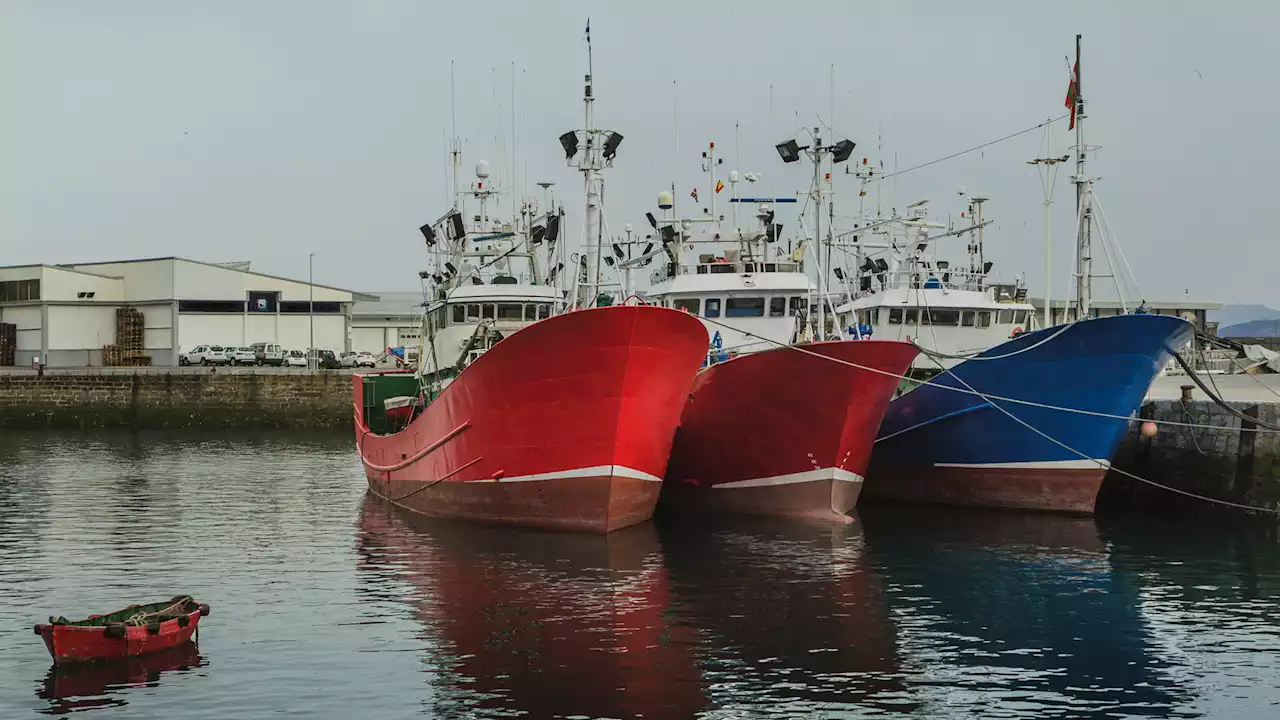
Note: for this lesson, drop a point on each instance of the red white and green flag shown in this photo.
(1071, 95)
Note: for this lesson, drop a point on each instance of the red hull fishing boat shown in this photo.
(772, 426)
(787, 431)
(135, 630)
(566, 424)
(521, 413)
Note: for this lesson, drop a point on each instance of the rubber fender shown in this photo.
(37, 627)
(184, 621)
(114, 630)
(204, 609)
(153, 628)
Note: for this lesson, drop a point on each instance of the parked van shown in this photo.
(268, 354)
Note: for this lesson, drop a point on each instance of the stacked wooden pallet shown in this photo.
(129, 345)
(8, 343)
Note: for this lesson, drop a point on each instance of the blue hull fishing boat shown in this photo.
(1015, 417)
(943, 446)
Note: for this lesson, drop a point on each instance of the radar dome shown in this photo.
(665, 200)
(482, 169)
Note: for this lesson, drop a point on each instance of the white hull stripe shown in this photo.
(832, 473)
(596, 471)
(1081, 464)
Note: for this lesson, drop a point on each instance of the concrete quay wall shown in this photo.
(1226, 461)
(178, 399)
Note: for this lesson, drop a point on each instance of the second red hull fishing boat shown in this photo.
(787, 431)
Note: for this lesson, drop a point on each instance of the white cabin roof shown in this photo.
(733, 284)
(502, 293)
(934, 298)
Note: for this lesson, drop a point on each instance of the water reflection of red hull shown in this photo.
(94, 682)
(548, 624)
(799, 616)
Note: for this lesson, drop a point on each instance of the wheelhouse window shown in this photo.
(1020, 317)
(777, 306)
(530, 312)
(487, 311)
(544, 311)
(984, 318)
(459, 313)
(799, 306)
(510, 311)
(966, 318)
(712, 308)
(895, 316)
(744, 307)
(912, 316)
(941, 317)
(692, 305)
(473, 312)
(1004, 317)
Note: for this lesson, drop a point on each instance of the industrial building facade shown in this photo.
(67, 314)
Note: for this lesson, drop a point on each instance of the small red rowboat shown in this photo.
(135, 630)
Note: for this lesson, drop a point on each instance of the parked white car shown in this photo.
(358, 359)
(205, 355)
(295, 358)
(241, 356)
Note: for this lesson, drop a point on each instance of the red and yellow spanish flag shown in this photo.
(719, 186)
(1071, 95)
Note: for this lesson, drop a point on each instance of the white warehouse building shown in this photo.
(66, 314)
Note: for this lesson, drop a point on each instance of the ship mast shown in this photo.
(1084, 209)
(599, 149)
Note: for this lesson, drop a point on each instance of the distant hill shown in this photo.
(1231, 315)
(1253, 328)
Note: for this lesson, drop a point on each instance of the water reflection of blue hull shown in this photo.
(938, 445)
(1020, 604)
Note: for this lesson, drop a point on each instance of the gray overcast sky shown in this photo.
(262, 131)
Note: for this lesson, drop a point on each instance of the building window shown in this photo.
(18, 290)
(510, 312)
(459, 313)
(1004, 317)
(984, 318)
(713, 308)
(895, 316)
(777, 305)
(211, 306)
(744, 307)
(693, 305)
(302, 307)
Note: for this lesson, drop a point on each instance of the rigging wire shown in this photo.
(966, 152)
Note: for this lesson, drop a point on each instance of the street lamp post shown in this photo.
(311, 311)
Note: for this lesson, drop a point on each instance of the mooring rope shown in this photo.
(989, 398)
(963, 391)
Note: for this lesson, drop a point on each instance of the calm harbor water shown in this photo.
(327, 603)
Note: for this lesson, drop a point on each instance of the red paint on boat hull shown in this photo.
(567, 414)
(75, 644)
(784, 431)
(1069, 490)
